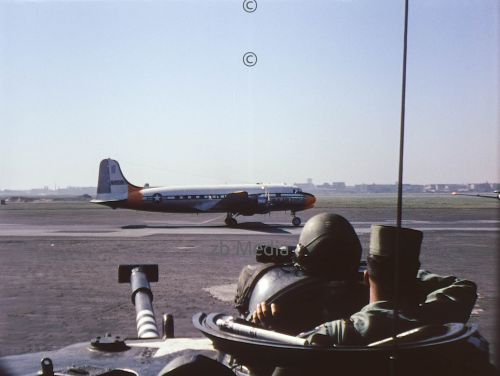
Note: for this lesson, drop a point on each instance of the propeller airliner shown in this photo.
(114, 191)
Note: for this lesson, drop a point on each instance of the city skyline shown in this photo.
(309, 184)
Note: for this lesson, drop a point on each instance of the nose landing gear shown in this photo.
(296, 221)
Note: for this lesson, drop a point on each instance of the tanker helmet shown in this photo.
(329, 248)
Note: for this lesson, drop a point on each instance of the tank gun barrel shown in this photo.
(251, 331)
(139, 277)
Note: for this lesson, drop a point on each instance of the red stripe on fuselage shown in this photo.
(135, 199)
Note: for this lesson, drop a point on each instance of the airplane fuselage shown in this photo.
(246, 199)
(115, 191)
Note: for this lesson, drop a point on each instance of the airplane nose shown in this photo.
(310, 200)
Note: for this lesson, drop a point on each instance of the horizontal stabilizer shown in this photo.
(104, 201)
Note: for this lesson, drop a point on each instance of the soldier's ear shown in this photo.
(366, 278)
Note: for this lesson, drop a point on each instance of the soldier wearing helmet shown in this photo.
(329, 248)
(419, 297)
(324, 282)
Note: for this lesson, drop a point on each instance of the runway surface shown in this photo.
(207, 224)
(59, 264)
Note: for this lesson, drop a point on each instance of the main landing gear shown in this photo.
(231, 220)
(296, 220)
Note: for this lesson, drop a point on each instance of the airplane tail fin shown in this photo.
(112, 185)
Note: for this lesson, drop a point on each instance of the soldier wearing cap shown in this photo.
(395, 281)
(396, 285)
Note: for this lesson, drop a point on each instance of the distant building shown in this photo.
(443, 188)
(413, 188)
(309, 185)
(338, 186)
(381, 188)
(447, 188)
(324, 186)
(360, 188)
(481, 187)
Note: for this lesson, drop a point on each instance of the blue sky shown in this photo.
(161, 87)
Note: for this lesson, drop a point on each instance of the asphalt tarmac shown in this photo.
(59, 264)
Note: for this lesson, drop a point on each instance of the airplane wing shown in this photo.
(241, 195)
(205, 206)
(233, 202)
(237, 202)
(476, 195)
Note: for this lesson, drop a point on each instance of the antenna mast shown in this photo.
(402, 126)
(393, 358)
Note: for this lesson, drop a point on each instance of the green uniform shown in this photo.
(444, 299)
(447, 299)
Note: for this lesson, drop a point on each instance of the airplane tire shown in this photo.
(231, 222)
(296, 221)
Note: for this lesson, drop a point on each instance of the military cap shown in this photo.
(382, 265)
(383, 241)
